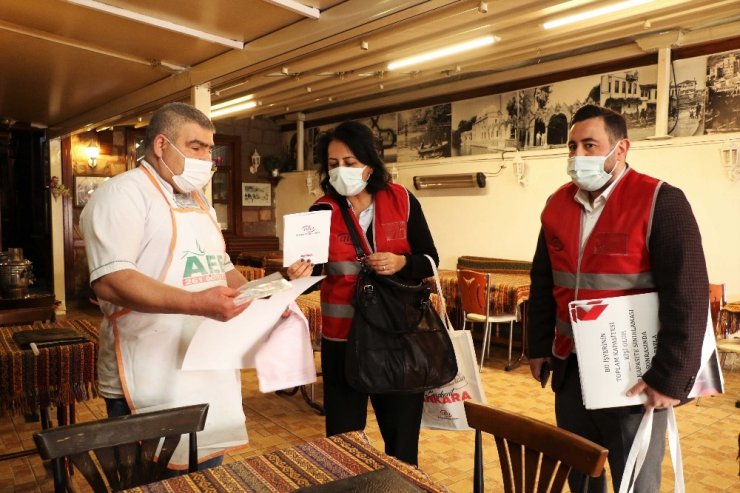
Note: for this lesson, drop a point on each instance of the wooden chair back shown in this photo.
(123, 448)
(533, 454)
(716, 302)
(250, 273)
(474, 288)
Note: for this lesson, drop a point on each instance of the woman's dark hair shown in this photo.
(361, 142)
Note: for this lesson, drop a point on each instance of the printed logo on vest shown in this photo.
(610, 244)
(395, 230)
(202, 267)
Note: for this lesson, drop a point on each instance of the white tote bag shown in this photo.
(443, 406)
(639, 449)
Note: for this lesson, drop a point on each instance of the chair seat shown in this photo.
(729, 345)
(474, 317)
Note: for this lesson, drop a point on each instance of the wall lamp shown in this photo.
(729, 155)
(93, 152)
(464, 180)
(256, 160)
(312, 188)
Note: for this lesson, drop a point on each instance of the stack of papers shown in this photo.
(262, 288)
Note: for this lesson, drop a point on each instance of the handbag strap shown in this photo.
(353, 232)
(442, 305)
(361, 254)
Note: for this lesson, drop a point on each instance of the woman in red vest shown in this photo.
(395, 237)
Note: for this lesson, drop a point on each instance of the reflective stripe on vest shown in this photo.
(604, 282)
(342, 268)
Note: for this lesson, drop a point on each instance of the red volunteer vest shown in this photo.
(389, 235)
(615, 260)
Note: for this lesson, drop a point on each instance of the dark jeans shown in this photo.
(119, 407)
(398, 415)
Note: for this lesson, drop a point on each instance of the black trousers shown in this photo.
(398, 415)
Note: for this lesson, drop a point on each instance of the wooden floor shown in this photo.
(709, 433)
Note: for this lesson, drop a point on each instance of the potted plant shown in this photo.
(273, 164)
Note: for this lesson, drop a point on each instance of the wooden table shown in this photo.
(35, 306)
(509, 294)
(317, 462)
(59, 376)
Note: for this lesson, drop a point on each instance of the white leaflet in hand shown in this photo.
(262, 288)
(233, 344)
(306, 236)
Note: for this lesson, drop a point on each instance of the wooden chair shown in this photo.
(475, 291)
(716, 302)
(250, 273)
(124, 448)
(725, 346)
(532, 453)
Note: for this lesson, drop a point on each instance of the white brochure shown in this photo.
(306, 236)
(234, 344)
(616, 339)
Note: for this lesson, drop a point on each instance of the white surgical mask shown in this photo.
(588, 171)
(195, 175)
(347, 181)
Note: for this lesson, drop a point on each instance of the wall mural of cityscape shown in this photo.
(704, 99)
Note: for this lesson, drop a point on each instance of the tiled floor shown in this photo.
(708, 432)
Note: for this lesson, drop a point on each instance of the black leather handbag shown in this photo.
(398, 343)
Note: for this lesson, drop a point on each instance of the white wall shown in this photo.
(502, 220)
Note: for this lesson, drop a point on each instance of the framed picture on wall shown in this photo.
(256, 194)
(84, 186)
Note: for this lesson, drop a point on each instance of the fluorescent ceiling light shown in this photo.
(443, 52)
(590, 14)
(231, 102)
(161, 23)
(233, 109)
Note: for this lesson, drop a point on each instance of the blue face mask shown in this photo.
(588, 171)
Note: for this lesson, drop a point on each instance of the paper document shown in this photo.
(233, 344)
(616, 339)
(306, 236)
(262, 288)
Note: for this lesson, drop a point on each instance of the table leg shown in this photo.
(514, 364)
(45, 418)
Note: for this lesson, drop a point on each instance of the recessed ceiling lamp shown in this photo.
(443, 52)
(233, 105)
(590, 14)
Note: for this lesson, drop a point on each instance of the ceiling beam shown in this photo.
(160, 23)
(297, 7)
(62, 40)
(346, 20)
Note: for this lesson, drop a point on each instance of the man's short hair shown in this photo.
(615, 124)
(169, 118)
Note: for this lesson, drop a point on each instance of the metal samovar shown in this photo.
(16, 274)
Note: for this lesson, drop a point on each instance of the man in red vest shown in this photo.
(613, 231)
